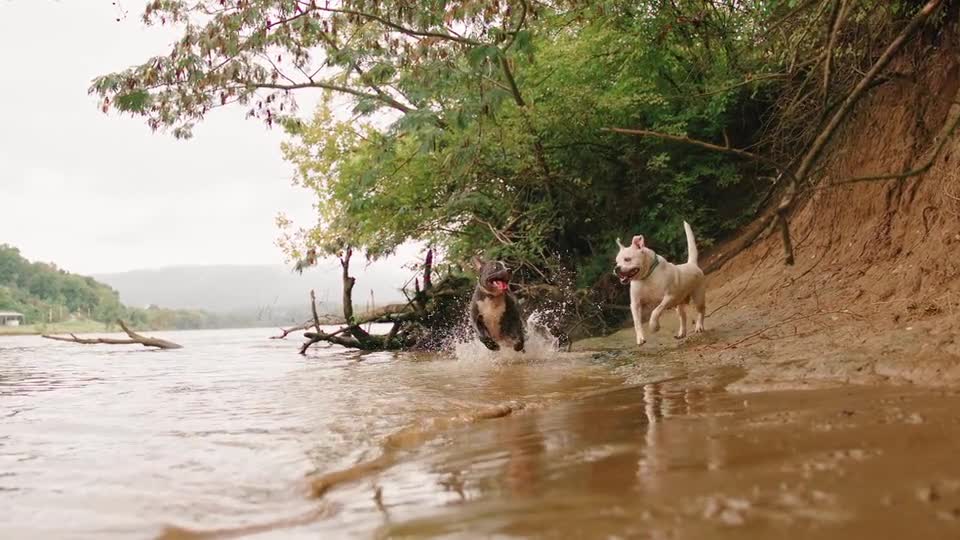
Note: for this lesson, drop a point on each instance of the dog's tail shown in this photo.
(692, 255)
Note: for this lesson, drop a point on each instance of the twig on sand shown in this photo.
(134, 338)
(793, 318)
(745, 285)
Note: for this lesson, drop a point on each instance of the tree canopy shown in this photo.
(483, 125)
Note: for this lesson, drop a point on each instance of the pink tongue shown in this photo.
(502, 285)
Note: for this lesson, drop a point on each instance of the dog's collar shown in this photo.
(656, 261)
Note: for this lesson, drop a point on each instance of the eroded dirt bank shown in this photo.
(874, 295)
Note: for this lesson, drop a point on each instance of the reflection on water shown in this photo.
(224, 437)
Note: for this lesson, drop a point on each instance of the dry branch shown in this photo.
(313, 310)
(134, 339)
(284, 332)
(860, 89)
(792, 318)
(696, 142)
(417, 311)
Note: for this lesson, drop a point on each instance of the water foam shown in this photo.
(540, 344)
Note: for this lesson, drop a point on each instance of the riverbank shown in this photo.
(786, 337)
(874, 293)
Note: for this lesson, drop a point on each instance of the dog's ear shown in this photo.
(638, 241)
(476, 262)
(620, 244)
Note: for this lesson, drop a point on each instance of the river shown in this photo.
(236, 435)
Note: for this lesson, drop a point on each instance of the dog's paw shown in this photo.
(640, 342)
(680, 335)
(698, 330)
(654, 325)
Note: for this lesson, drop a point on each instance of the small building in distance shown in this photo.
(11, 318)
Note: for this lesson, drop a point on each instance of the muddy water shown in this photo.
(232, 434)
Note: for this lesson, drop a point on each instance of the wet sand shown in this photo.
(685, 459)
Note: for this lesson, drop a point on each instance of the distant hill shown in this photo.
(270, 291)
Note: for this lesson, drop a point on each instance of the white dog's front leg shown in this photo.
(637, 311)
(655, 315)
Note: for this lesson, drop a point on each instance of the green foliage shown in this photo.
(481, 125)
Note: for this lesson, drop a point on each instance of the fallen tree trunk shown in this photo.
(134, 339)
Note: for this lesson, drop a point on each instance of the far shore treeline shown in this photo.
(52, 299)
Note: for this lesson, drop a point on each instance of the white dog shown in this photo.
(654, 280)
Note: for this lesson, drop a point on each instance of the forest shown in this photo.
(45, 294)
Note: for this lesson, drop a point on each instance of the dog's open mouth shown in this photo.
(499, 284)
(627, 276)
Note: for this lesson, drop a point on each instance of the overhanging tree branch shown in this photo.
(702, 144)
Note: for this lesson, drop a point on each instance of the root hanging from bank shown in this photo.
(134, 339)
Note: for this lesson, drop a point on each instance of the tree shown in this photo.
(481, 125)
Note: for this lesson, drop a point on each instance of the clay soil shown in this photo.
(874, 295)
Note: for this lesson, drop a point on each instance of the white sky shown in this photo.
(102, 193)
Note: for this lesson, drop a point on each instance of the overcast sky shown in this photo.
(102, 193)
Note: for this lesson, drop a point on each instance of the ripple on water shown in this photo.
(228, 432)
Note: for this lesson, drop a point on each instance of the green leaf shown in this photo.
(135, 101)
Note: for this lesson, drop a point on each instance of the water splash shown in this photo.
(553, 311)
(540, 344)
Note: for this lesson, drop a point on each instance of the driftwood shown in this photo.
(305, 325)
(422, 322)
(284, 332)
(134, 339)
(352, 335)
